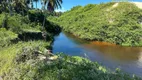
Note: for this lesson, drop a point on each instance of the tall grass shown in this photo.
(8, 54)
(6, 37)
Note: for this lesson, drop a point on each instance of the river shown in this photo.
(128, 59)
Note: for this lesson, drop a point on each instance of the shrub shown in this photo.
(36, 16)
(6, 37)
(102, 22)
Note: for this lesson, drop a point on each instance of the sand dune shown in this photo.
(138, 4)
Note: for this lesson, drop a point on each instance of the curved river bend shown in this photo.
(128, 59)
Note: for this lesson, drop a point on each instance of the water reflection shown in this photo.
(128, 59)
(110, 50)
(117, 52)
(139, 63)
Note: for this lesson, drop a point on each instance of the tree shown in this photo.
(50, 5)
(20, 6)
(3, 6)
(5, 3)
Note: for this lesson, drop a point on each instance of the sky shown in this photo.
(68, 4)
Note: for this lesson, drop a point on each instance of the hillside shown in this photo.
(117, 23)
(26, 44)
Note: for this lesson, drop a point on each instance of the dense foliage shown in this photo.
(25, 51)
(38, 16)
(109, 22)
(30, 60)
(17, 23)
(16, 32)
(6, 37)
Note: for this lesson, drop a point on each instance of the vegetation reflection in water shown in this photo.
(110, 50)
(128, 59)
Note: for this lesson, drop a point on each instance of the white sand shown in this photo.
(138, 4)
(115, 5)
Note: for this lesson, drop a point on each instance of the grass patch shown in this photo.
(8, 54)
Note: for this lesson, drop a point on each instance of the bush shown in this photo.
(6, 37)
(18, 24)
(2, 17)
(36, 16)
(102, 22)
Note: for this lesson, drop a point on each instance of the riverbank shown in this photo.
(24, 45)
(116, 23)
(25, 54)
(128, 59)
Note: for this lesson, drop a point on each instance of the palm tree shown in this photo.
(21, 6)
(50, 5)
(17, 5)
(3, 5)
(6, 3)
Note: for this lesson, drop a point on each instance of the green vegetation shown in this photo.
(30, 60)
(18, 33)
(24, 36)
(118, 24)
(9, 53)
(6, 37)
(17, 23)
(12, 31)
(25, 43)
(28, 66)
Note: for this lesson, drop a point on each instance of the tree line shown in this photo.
(24, 5)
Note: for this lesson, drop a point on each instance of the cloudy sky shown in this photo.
(68, 4)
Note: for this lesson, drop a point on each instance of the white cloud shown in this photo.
(60, 10)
